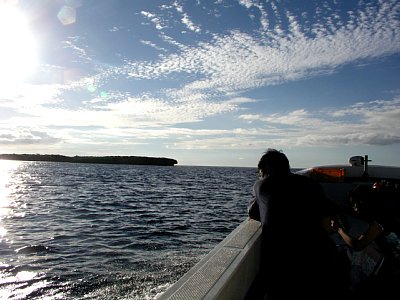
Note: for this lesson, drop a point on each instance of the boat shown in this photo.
(228, 271)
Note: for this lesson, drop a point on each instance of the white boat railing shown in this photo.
(227, 272)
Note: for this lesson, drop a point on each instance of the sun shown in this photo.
(18, 53)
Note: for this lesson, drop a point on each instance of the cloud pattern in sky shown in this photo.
(173, 78)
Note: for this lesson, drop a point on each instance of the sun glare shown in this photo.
(18, 57)
(6, 168)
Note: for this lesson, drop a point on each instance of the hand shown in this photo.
(334, 225)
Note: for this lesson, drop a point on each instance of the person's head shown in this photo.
(273, 162)
(362, 199)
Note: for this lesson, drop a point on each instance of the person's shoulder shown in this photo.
(270, 183)
(258, 182)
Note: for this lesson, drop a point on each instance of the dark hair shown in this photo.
(274, 162)
(361, 194)
(365, 198)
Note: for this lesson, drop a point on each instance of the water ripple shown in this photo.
(83, 231)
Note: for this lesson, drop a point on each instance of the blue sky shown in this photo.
(213, 82)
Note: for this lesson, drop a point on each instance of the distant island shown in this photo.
(128, 160)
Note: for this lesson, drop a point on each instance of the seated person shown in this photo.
(369, 204)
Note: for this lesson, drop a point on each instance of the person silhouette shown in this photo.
(297, 255)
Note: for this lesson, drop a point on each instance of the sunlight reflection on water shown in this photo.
(6, 171)
(85, 231)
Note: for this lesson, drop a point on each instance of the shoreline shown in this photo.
(128, 160)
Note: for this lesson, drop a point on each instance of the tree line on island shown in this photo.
(128, 160)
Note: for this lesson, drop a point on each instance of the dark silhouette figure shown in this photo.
(298, 256)
(374, 253)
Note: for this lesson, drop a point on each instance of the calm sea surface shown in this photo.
(89, 231)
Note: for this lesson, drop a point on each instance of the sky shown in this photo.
(205, 82)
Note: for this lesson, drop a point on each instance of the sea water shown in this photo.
(96, 231)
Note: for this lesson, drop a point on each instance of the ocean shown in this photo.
(96, 231)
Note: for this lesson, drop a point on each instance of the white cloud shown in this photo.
(364, 123)
(79, 52)
(154, 19)
(151, 44)
(186, 19)
(238, 61)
